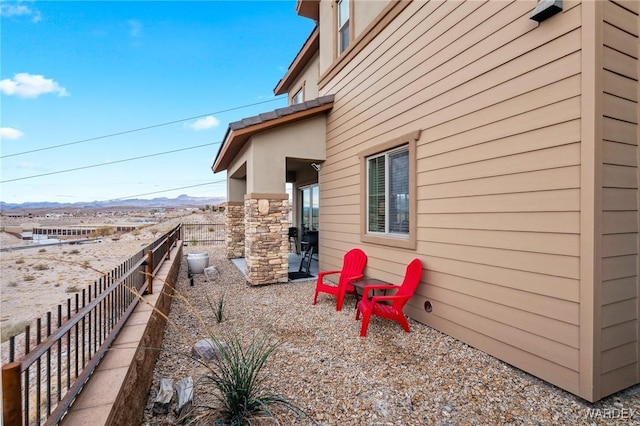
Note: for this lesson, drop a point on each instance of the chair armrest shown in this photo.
(355, 278)
(376, 299)
(322, 274)
(378, 287)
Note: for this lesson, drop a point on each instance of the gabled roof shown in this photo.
(239, 132)
(310, 47)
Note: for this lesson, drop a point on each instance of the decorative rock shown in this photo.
(206, 349)
(163, 400)
(184, 388)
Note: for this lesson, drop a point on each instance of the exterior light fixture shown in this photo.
(546, 9)
(315, 166)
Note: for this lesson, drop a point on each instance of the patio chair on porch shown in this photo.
(377, 305)
(353, 265)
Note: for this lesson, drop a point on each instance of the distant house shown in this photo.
(500, 150)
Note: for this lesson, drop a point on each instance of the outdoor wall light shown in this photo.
(315, 166)
(546, 9)
(427, 306)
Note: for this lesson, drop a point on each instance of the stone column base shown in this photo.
(235, 230)
(266, 238)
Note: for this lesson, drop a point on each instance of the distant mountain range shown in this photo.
(181, 201)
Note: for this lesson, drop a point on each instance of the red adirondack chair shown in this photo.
(353, 265)
(376, 305)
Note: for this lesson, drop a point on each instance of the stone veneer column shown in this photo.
(266, 238)
(235, 230)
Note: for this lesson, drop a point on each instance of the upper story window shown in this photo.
(297, 98)
(343, 25)
(388, 192)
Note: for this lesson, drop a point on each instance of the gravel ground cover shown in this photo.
(337, 378)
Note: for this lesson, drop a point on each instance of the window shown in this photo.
(297, 98)
(389, 192)
(343, 25)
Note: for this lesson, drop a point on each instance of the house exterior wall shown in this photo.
(500, 180)
(307, 80)
(618, 325)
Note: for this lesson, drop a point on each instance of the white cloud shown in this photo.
(205, 123)
(135, 28)
(19, 9)
(10, 133)
(28, 85)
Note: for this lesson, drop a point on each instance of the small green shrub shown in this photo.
(236, 375)
(19, 261)
(28, 278)
(42, 250)
(72, 289)
(41, 267)
(74, 251)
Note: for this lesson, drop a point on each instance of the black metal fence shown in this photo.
(204, 233)
(40, 385)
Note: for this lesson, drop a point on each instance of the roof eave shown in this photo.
(302, 59)
(235, 139)
(309, 9)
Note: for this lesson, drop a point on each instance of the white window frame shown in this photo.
(387, 196)
(298, 97)
(343, 43)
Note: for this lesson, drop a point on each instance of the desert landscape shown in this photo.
(35, 278)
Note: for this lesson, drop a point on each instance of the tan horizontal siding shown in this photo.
(620, 86)
(563, 244)
(561, 266)
(617, 335)
(619, 131)
(619, 244)
(618, 16)
(616, 380)
(551, 286)
(619, 312)
(618, 289)
(562, 156)
(618, 357)
(620, 154)
(508, 351)
(619, 222)
(473, 150)
(619, 176)
(620, 198)
(537, 180)
(620, 40)
(562, 222)
(560, 200)
(540, 341)
(543, 309)
(620, 63)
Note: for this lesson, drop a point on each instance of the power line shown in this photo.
(167, 190)
(112, 162)
(137, 130)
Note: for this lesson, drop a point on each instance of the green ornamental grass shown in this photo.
(236, 375)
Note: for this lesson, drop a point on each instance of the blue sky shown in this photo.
(74, 71)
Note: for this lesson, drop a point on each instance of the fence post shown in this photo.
(149, 271)
(11, 394)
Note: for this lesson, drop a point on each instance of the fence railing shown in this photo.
(39, 386)
(204, 233)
